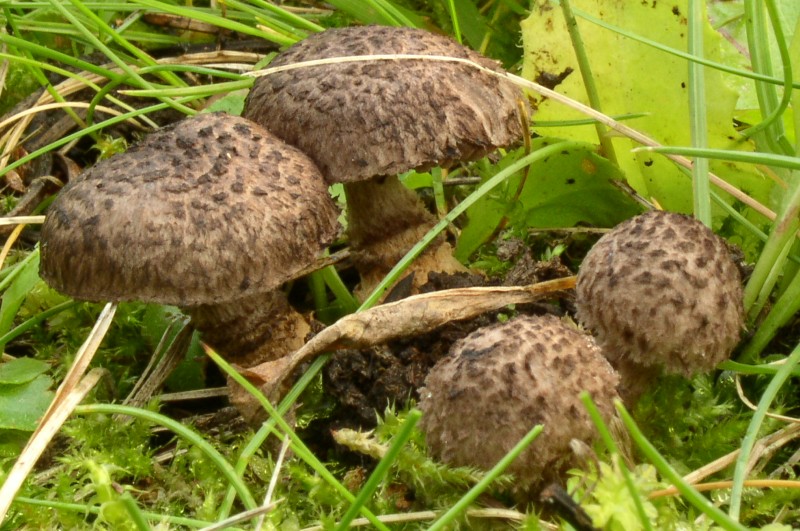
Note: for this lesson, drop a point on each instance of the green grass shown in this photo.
(117, 467)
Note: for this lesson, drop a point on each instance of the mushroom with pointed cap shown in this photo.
(211, 214)
(502, 380)
(661, 290)
(363, 122)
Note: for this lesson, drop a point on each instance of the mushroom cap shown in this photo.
(662, 290)
(362, 119)
(500, 381)
(204, 211)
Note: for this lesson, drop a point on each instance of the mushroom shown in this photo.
(661, 290)
(363, 122)
(500, 381)
(211, 214)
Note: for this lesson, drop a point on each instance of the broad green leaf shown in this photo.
(190, 372)
(730, 17)
(21, 370)
(635, 78)
(15, 295)
(232, 103)
(11, 443)
(472, 23)
(21, 406)
(574, 187)
(416, 180)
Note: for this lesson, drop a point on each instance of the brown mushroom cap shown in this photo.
(662, 290)
(362, 119)
(208, 210)
(500, 381)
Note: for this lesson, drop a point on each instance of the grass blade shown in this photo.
(692, 496)
(612, 448)
(697, 109)
(185, 433)
(741, 469)
(426, 240)
(758, 39)
(298, 445)
(97, 510)
(216, 20)
(381, 469)
(588, 79)
(462, 504)
(72, 390)
(451, 8)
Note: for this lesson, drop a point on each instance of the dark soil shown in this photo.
(365, 382)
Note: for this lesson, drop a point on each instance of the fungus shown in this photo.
(500, 381)
(364, 122)
(661, 291)
(211, 214)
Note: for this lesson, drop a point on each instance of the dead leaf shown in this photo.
(409, 317)
(14, 181)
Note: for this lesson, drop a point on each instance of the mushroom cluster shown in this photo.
(500, 381)
(661, 290)
(364, 121)
(211, 214)
(214, 213)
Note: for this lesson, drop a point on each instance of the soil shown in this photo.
(365, 382)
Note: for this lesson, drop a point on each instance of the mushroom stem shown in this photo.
(634, 379)
(386, 219)
(253, 329)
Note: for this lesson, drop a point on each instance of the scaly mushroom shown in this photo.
(661, 290)
(211, 214)
(364, 122)
(500, 381)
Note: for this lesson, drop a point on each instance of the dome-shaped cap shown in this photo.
(207, 210)
(662, 290)
(362, 119)
(500, 381)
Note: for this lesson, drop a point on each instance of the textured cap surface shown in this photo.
(661, 289)
(361, 119)
(500, 381)
(207, 210)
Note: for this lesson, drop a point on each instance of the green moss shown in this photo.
(19, 84)
(692, 422)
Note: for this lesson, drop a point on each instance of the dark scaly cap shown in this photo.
(662, 290)
(500, 381)
(383, 117)
(207, 210)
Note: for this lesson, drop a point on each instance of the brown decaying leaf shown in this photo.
(415, 315)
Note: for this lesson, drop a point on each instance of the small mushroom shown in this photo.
(211, 214)
(500, 381)
(661, 291)
(363, 122)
